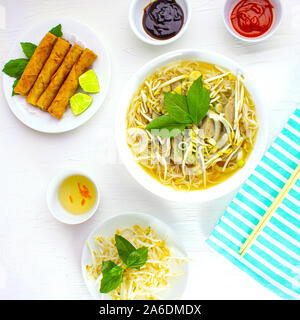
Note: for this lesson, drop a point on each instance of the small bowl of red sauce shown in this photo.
(159, 22)
(252, 20)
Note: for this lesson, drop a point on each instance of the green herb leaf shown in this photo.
(176, 105)
(124, 247)
(107, 266)
(14, 68)
(137, 258)
(57, 31)
(182, 110)
(132, 257)
(112, 276)
(28, 48)
(198, 100)
(166, 126)
(13, 87)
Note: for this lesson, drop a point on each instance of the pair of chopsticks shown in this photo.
(267, 216)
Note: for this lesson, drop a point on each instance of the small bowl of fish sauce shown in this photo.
(72, 197)
(159, 22)
(252, 20)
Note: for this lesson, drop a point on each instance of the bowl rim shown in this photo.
(153, 41)
(141, 176)
(264, 36)
(53, 187)
(136, 215)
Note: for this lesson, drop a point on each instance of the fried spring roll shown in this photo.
(35, 64)
(67, 90)
(55, 59)
(57, 80)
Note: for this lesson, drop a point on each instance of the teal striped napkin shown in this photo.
(274, 257)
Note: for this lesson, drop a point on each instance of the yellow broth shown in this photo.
(77, 194)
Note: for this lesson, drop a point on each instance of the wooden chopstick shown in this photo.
(267, 216)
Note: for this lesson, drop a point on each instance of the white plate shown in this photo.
(162, 230)
(34, 117)
(153, 185)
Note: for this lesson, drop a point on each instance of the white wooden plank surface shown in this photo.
(40, 257)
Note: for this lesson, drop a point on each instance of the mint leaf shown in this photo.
(137, 258)
(14, 68)
(166, 126)
(112, 276)
(176, 105)
(198, 100)
(13, 87)
(57, 31)
(124, 247)
(28, 48)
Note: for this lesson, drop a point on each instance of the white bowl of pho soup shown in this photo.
(191, 126)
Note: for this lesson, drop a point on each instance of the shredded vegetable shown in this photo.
(152, 279)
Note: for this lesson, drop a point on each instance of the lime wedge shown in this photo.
(89, 82)
(80, 102)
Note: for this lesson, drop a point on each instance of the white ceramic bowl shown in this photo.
(277, 11)
(152, 184)
(136, 12)
(56, 208)
(108, 228)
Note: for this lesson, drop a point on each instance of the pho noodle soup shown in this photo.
(200, 155)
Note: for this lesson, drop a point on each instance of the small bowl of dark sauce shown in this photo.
(159, 22)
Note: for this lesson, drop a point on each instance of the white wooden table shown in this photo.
(40, 257)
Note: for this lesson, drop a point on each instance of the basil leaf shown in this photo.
(14, 68)
(112, 276)
(107, 266)
(182, 110)
(57, 31)
(198, 100)
(137, 258)
(176, 105)
(166, 126)
(28, 48)
(13, 87)
(166, 133)
(132, 257)
(124, 247)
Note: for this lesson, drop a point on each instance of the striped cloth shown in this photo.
(274, 257)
